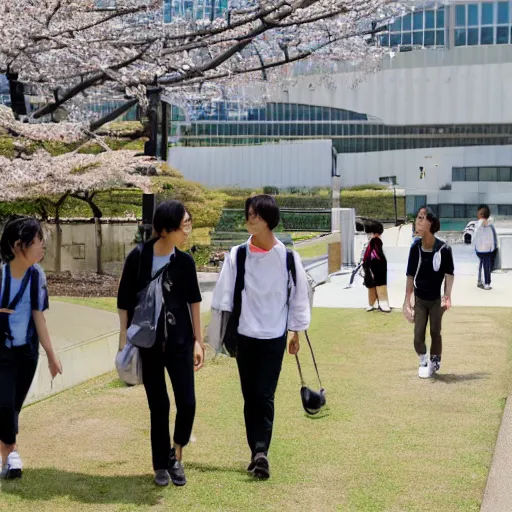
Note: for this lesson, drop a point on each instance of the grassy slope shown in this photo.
(388, 442)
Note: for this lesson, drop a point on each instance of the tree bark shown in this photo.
(99, 242)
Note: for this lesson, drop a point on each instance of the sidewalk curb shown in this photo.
(498, 490)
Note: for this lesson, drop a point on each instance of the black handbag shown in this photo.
(312, 401)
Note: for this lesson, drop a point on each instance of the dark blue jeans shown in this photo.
(486, 265)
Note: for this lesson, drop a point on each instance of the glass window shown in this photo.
(429, 38)
(460, 15)
(488, 174)
(446, 211)
(407, 38)
(460, 36)
(471, 173)
(472, 36)
(417, 38)
(487, 13)
(504, 174)
(439, 37)
(430, 19)
(502, 35)
(440, 17)
(503, 12)
(384, 40)
(397, 26)
(487, 35)
(472, 15)
(458, 174)
(459, 211)
(418, 20)
(406, 22)
(395, 39)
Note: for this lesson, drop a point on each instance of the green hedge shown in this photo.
(234, 221)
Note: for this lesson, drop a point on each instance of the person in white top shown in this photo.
(485, 243)
(266, 315)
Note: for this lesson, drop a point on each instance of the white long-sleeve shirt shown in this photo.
(484, 236)
(264, 313)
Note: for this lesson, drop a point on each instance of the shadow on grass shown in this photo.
(205, 468)
(49, 483)
(451, 378)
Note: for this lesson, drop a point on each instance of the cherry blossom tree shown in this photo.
(67, 49)
(51, 180)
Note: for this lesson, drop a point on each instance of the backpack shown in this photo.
(223, 327)
(144, 325)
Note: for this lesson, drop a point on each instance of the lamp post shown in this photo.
(392, 184)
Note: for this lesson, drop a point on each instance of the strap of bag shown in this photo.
(494, 236)
(7, 290)
(241, 255)
(290, 265)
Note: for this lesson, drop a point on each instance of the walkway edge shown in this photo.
(498, 491)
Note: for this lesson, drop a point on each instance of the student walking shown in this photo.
(430, 263)
(375, 268)
(179, 347)
(269, 308)
(485, 242)
(23, 300)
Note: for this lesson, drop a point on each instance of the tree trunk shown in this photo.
(17, 95)
(58, 242)
(99, 242)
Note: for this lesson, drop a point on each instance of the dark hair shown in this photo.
(486, 211)
(435, 224)
(264, 206)
(168, 216)
(22, 229)
(373, 226)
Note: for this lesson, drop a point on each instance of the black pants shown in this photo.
(425, 311)
(259, 365)
(178, 359)
(17, 369)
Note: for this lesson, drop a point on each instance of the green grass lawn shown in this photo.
(388, 441)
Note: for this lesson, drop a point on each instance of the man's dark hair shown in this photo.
(373, 226)
(486, 211)
(435, 224)
(168, 216)
(19, 228)
(265, 207)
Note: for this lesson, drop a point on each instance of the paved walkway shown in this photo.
(335, 293)
(72, 324)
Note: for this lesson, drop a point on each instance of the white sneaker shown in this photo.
(384, 307)
(371, 308)
(424, 369)
(14, 466)
(487, 286)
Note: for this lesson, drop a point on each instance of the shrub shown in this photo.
(270, 190)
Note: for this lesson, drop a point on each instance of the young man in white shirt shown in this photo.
(268, 311)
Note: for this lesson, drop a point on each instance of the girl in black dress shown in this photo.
(375, 268)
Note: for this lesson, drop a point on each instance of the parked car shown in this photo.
(469, 231)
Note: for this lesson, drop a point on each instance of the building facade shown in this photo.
(434, 119)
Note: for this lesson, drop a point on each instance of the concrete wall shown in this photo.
(362, 168)
(458, 86)
(288, 164)
(78, 251)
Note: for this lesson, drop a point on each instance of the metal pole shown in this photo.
(396, 209)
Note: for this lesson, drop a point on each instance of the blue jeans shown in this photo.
(486, 265)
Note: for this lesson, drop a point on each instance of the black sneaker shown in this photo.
(261, 466)
(161, 477)
(177, 473)
(251, 466)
